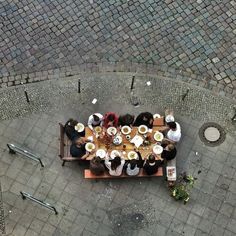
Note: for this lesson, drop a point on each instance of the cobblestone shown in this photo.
(42, 35)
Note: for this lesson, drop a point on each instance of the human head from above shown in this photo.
(147, 116)
(151, 158)
(111, 117)
(127, 119)
(170, 147)
(96, 118)
(133, 164)
(73, 122)
(79, 141)
(172, 125)
(115, 162)
(96, 160)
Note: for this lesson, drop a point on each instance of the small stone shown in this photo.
(199, 1)
(215, 60)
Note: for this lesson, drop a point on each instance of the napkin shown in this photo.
(90, 138)
(137, 140)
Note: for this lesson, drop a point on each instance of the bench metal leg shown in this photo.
(63, 163)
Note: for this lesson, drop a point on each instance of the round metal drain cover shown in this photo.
(212, 134)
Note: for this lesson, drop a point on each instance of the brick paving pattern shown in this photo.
(198, 36)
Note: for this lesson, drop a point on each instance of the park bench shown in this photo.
(89, 175)
(64, 149)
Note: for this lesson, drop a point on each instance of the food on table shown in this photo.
(114, 154)
(126, 129)
(142, 129)
(158, 136)
(79, 127)
(157, 149)
(117, 140)
(132, 155)
(111, 130)
(101, 153)
(89, 147)
(98, 129)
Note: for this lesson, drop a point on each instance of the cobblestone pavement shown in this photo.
(194, 36)
(132, 207)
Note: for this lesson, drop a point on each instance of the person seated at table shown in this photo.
(96, 166)
(133, 167)
(77, 148)
(70, 131)
(169, 151)
(126, 119)
(151, 165)
(115, 166)
(95, 120)
(144, 118)
(174, 132)
(110, 119)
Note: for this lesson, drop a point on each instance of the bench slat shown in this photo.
(89, 175)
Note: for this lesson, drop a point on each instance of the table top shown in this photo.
(124, 150)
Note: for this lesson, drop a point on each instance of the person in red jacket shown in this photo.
(110, 119)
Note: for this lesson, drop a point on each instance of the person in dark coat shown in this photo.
(151, 165)
(144, 118)
(96, 166)
(77, 148)
(126, 119)
(169, 152)
(70, 131)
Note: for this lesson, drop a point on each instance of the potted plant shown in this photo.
(181, 189)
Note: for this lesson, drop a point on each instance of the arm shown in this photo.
(90, 121)
(85, 156)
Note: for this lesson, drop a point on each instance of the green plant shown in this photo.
(180, 191)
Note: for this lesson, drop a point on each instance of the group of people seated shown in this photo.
(118, 164)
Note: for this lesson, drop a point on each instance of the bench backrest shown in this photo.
(62, 142)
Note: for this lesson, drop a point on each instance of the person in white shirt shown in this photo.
(174, 133)
(114, 166)
(95, 120)
(133, 167)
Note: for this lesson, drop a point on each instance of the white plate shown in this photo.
(79, 127)
(158, 136)
(114, 153)
(101, 153)
(126, 130)
(89, 147)
(98, 129)
(132, 155)
(157, 149)
(155, 116)
(117, 140)
(142, 129)
(111, 130)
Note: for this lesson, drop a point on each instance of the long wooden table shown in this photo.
(144, 150)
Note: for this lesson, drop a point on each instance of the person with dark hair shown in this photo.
(95, 120)
(77, 148)
(126, 119)
(70, 131)
(174, 132)
(133, 167)
(144, 118)
(151, 165)
(169, 151)
(96, 166)
(115, 166)
(110, 119)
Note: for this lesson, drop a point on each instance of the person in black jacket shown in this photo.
(77, 148)
(70, 131)
(169, 152)
(126, 119)
(151, 165)
(144, 118)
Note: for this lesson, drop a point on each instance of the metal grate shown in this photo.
(2, 219)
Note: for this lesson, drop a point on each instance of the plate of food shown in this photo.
(98, 129)
(79, 127)
(132, 155)
(117, 140)
(142, 129)
(101, 153)
(114, 154)
(89, 147)
(158, 136)
(157, 149)
(111, 130)
(126, 130)
(155, 116)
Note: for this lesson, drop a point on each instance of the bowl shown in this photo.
(142, 129)
(89, 147)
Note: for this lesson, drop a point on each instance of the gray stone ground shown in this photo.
(114, 207)
(195, 36)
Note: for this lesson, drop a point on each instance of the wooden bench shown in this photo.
(89, 175)
(64, 149)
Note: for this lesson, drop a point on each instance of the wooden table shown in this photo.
(144, 150)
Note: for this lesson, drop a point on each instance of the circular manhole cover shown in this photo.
(212, 134)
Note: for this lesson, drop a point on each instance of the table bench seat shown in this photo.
(89, 175)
